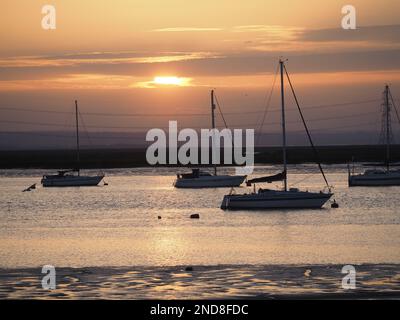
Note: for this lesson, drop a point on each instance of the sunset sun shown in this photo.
(171, 80)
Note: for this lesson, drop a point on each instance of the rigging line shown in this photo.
(395, 107)
(181, 114)
(100, 127)
(220, 111)
(37, 123)
(223, 119)
(31, 110)
(235, 126)
(108, 114)
(322, 106)
(263, 132)
(308, 176)
(331, 128)
(336, 117)
(130, 132)
(194, 127)
(267, 105)
(85, 128)
(238, 126)
(91, 144)
(67, 136)
(306, 128)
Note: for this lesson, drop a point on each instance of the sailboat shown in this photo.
(72, 177)
(202, 179)
(291, 198)
(379, 177)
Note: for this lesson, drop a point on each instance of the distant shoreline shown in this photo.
(136, 157)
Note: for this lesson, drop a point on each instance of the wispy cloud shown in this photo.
(364, 33)
(265, 28)
(186, 29)
(102, 58)
(250, 50)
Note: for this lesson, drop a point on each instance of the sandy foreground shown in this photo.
(204, 282)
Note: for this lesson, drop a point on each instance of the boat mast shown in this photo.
(283, 125)
(213, 124)
(77, 136)
(387, 126)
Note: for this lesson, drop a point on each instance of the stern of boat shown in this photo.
(225, 202)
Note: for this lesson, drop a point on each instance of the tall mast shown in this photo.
(77, 136)
(283, 125)
(387, 106)
(213, 124)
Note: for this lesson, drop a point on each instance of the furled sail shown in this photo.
(276, 177)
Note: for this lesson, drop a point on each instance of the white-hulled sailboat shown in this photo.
(379, 177)
(202, 179)
(72, 177)
(291, 198)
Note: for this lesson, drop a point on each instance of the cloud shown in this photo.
(270, 30)
(255, 52)
(186, 29)
(367, 33)
(101, 58)
(241, 63)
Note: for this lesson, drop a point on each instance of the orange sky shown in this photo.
(108, 53)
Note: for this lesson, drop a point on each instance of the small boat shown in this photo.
(202, 179)
(379, 177)
(276, 199)
(375, 178)
(72, 177)
(291, 198)
(67, 178)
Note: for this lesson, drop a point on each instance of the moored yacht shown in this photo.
(276, 199)
(67, 178)
(291, 198)
(202, 179)
(379, 177)
(375, 178)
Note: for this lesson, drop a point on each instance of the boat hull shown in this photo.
(72, 181)
(275, 200)
(210, 182)
(376, 180)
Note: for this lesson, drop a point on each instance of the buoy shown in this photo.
(195, 216)
(334, 204)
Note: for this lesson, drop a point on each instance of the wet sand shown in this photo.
(376, 281)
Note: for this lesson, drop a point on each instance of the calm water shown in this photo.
(117, 225)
